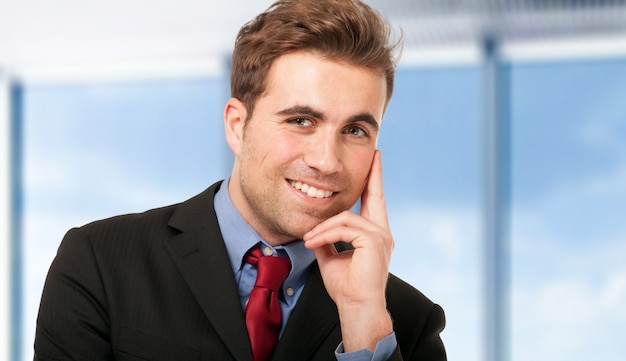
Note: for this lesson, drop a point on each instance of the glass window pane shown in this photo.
(432, 162)
(569, 207)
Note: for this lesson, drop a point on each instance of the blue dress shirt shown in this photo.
(239, 237)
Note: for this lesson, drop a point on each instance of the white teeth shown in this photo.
(310, 190)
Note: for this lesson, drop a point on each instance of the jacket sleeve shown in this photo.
(73, 315)
(428, 346)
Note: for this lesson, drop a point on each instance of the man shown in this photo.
(310, 81)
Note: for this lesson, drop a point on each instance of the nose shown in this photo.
(323, 154)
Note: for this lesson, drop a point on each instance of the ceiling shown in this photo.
(38, 34)
(430, 22)
(140, 35)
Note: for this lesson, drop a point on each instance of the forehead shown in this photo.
(305, 62)
(313, 80)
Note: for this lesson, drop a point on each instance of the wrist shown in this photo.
(363, 325)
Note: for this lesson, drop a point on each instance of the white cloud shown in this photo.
(569, 279)
(567, 317)
(612, 297)
(437, 252)
(444, 231)
(603, 126)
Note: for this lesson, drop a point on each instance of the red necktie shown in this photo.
(263, 314)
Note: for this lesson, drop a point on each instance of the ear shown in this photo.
(235, 115)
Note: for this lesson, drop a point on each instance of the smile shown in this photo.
(310, 190)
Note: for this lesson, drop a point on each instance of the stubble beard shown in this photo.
(275, 219)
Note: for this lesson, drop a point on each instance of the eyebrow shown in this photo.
(306, 110)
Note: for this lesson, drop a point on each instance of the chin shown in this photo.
(303, 226)
(301, 231)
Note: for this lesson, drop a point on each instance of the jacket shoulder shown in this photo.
(160, 221)
(401, 295)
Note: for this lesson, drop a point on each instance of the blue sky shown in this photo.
(93, 151)
(569, 196)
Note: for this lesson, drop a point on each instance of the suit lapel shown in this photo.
(201, 257)
(310, 324)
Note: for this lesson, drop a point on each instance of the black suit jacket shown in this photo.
(159, 286)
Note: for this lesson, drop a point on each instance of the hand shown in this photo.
(356, 279)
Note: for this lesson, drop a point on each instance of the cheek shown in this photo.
(272, 150)
(359, 167)
(282, 147)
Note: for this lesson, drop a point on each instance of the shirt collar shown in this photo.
(239, 237)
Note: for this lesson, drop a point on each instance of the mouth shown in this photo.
(310, 190)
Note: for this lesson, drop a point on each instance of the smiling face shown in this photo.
(306, 152)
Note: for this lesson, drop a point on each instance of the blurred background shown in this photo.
(504, 149)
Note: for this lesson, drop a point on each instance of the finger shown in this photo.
(358, 238)
(373, 205)
(343, 219)
(332, 236)
(324, 252)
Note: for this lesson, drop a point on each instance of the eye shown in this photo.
(355, 131)
(302, 122)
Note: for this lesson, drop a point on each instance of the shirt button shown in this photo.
(267, 251)
(290, 292)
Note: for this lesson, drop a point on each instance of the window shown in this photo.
(94, 150)
(569, 206)
(430, 141)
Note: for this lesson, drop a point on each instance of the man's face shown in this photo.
(306, 152)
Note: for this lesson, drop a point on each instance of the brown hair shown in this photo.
(343, 30)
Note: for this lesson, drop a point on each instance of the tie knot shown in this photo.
(272, 271)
